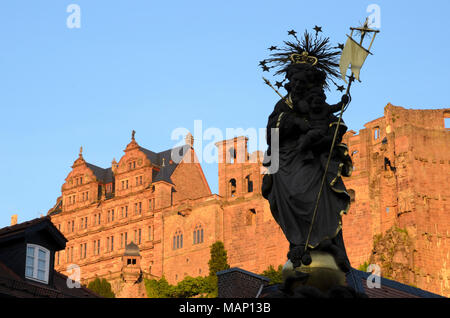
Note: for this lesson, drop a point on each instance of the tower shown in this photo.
(238, 173)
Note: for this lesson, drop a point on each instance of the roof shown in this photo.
(103, 175)
(35, 224)
(232, 285)
(14, 285)
(388, 288)
(131, 250)
(157, 158)
(11, 285)
(161, 159)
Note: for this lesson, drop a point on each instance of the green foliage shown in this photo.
(274, 276)
(158, 288)
(218, 261)
(192, 286)
(101, 287)
(363, 267)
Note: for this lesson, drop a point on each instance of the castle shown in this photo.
(166, 208)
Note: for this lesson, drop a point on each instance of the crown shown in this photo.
(303, 58)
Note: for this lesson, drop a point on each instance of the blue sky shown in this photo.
(153, 66)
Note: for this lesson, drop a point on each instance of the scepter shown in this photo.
(353, 54)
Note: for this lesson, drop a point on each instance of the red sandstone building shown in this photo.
(167, 209)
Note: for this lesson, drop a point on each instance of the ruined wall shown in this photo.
(403, 161)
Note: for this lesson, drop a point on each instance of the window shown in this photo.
(250, 217)
(198, 235)
(351, 193)
(376, 133)
(140, 208)
(177, 240)
(232, 154)
(37, 263)
(249, 183)
(83, 247)
(97, 247)
(447, 119)
(150, 205)
(149, 233)
(73, 226)
(232, 185)
(139, 239)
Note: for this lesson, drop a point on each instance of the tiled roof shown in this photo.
(13, 286)
(161, 159)
(103, 175)
(388, 288)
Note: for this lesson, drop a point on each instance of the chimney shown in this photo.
(14, 219)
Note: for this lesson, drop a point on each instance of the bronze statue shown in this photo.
(306, 194)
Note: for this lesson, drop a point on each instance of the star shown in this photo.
(341, 88)
(292, 32)
(265, 68)
(262, 63)
(340, 46)
(278, 84)
(272, 48)
(317, 29)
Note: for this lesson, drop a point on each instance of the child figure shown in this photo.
(320, 116)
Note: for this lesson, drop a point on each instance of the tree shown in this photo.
(101, 287)
(218, 261)
(158, 288)
(274, 276)
(192, 286)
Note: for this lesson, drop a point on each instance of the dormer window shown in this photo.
(37, 263)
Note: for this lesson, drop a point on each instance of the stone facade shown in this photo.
(168, 210)
(400, 217)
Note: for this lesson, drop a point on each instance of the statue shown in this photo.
(306, 194)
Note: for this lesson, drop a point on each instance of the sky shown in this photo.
(155, 66)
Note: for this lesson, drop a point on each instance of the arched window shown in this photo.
(250, 217)
(232, 185)
(249, 183)
(197, 235)
(376, 133)
(177, 240)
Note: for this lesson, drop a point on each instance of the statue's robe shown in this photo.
(292, 191)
